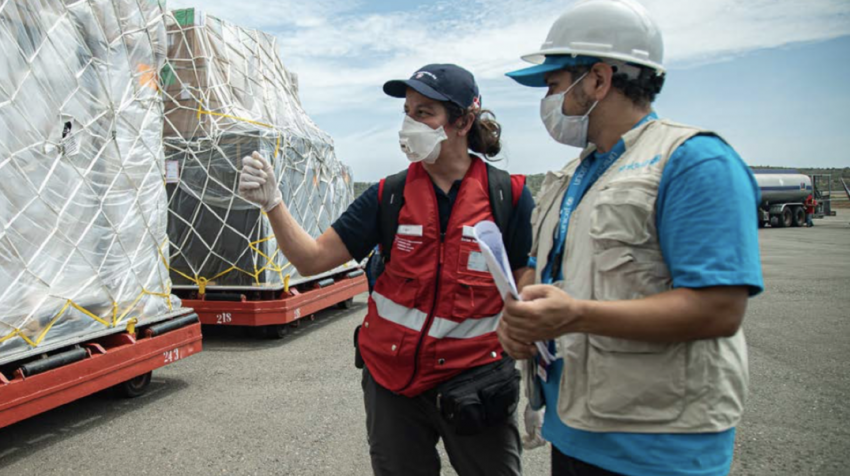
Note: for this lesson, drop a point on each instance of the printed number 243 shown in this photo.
(171, 355)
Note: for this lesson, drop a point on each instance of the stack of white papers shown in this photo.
(490, 241)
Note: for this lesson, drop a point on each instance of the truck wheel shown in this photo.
(785, 219)
(799, 216)
(347, 304)
(135, 387)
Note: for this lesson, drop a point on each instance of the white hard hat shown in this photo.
(619, 31)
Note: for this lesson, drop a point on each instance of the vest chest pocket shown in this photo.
(624, 214)
(632, 381)
(398, 287)
(629, 273)
(476, 294)
(476, 298)
(389, 338)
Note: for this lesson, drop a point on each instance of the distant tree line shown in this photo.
(535, 181)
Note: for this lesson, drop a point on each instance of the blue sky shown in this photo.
(770, 76)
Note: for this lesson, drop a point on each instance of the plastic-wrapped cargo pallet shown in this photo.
(83, 207)
(228, 94)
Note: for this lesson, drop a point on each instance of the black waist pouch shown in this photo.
(480, 397)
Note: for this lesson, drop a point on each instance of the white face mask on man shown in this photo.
(568, 130)
(419, 142)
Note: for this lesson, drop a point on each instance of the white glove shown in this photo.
(257, 183)
(533, 437)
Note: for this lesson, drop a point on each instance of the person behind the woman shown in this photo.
(434, 368)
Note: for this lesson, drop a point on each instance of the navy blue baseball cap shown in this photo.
(440, 82)
(534, 76)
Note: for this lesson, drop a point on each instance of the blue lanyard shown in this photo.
(587, 173)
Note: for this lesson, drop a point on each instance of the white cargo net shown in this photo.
(83, 208)
(228, 94)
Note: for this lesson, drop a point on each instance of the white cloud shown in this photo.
(705, 31)
(343, 56)
(360, 52)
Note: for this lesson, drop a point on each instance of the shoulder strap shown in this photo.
(517, 186)
(504, 191)
(390, 201)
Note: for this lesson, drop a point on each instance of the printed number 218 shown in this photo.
(224, 318)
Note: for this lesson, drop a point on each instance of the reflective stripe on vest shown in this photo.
(414, 319)
(468, 329)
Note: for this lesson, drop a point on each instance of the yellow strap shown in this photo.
(86, 312)
(116, 318)
(277, 147)
(201, 111)
(15, 333)
(71, 304)
(129, 309)
(50, 325)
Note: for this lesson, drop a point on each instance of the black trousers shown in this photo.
(403, 434)
(563, 465)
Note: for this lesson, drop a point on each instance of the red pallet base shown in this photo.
(287, 309)
(110, 361)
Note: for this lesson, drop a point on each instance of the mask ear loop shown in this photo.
(591, 108)
(595, 103)
(567, 91)
(575, 83)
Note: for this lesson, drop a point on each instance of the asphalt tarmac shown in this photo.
(249, 406)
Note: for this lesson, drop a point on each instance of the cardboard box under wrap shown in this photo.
(230, 96)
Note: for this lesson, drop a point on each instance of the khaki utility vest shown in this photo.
(612, 252)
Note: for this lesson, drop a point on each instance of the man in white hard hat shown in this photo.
(642, 271)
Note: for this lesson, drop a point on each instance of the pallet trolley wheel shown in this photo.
(347, 304)
(274, 331)
(135, 387)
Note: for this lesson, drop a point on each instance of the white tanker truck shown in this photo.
(783, 196)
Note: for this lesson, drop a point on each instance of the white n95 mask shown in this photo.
(568, 130)
(419, 142)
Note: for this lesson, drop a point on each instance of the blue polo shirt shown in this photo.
(708, 231)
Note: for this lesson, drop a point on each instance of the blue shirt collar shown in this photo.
(649, 117)
(621, 145)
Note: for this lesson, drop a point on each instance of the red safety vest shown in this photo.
(810, 204)
(435, 308)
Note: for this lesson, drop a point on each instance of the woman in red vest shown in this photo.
(434, 368)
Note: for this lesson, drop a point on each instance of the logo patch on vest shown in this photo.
(640, 165)
(409, 230)
(402, 243)
(405, 245)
